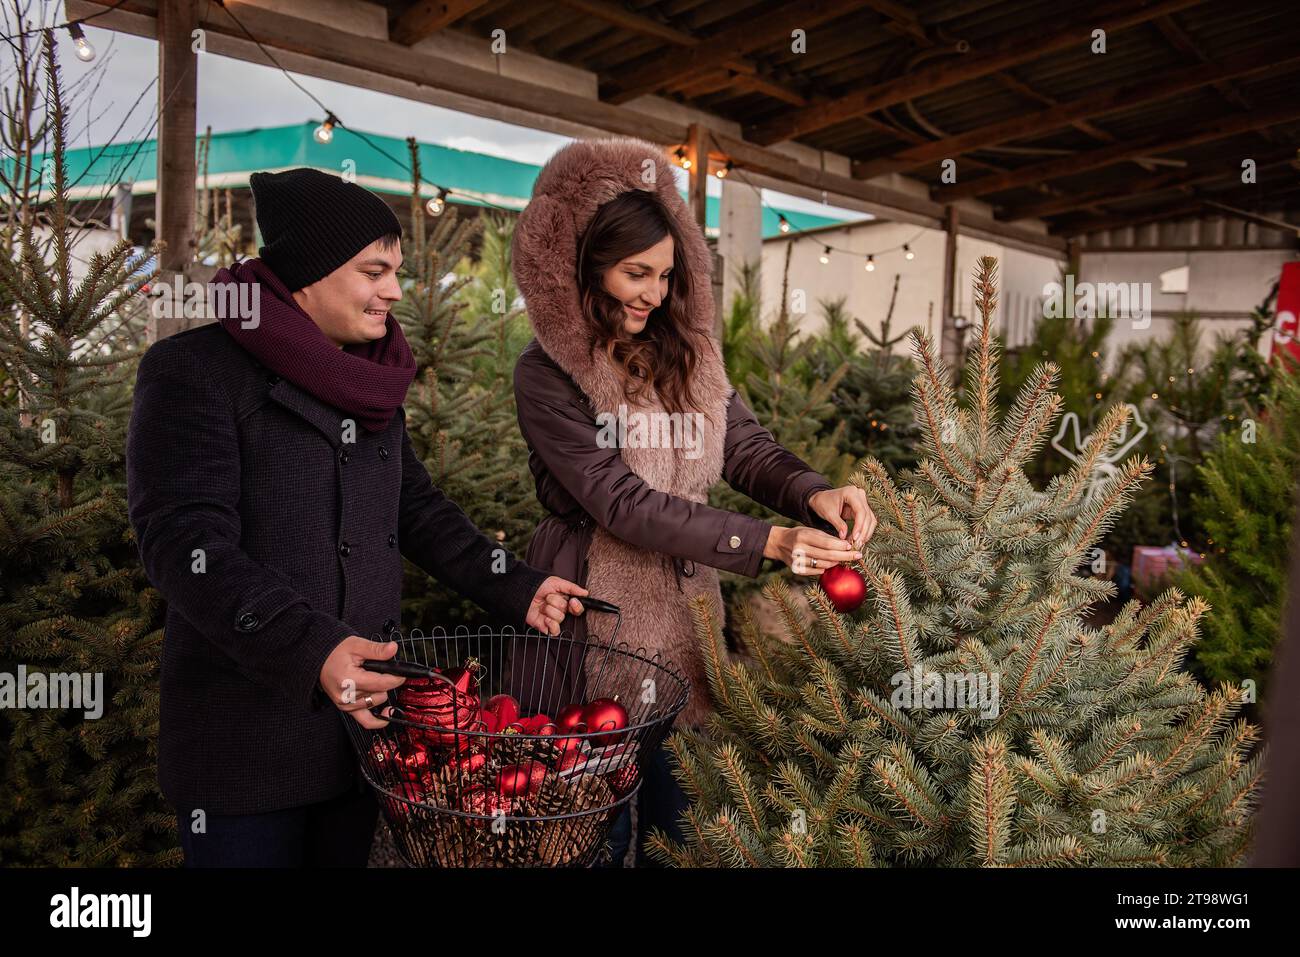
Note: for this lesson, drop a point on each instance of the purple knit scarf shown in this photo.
(368, 381)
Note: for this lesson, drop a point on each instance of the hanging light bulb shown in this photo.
(826, 256)
(682, 158)
(437, 205)
(722, 172)
(871, 263)
(907, 252)
(785, 223)
(85, 52)
(325, 132)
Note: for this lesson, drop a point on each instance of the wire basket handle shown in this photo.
(599, 604)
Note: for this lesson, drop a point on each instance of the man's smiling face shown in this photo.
(351, 304)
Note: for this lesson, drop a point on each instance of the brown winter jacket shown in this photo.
(633, 525)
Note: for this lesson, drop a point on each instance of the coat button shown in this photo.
(735, 541)
(383, 452)
(343, 456)
(272, 379)
(389, 626)
(392, 541)
(345, 549)
(248, 621)
(688, 568)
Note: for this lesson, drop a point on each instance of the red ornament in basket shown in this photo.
(450, 705)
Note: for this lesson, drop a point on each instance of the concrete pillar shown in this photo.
(740, 233)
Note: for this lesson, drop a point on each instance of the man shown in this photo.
(273, 491)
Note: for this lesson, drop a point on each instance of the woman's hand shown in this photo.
(546, 612)
(848, 501)
(806, 550)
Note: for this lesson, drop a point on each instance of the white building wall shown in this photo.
(1223, 287)
(920, 289)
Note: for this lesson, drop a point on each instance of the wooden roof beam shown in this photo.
(1109, 99)
(1160, 182)
(427, 17)
(713, 51)
(1158, 143)
(1017, 46)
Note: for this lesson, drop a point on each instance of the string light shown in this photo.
(722, 172)
(682, 159)
(871, 263)
(826, 256)
(437, 204)
(85, 52)
(325, 132)
(907, 252)
(785, 223)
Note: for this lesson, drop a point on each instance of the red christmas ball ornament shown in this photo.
(844, 586)
(504, 707)
(604, 715)
(520, 780)
(469, 763)
(569, 718)
(537, 724)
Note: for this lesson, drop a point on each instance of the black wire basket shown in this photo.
(464, 782)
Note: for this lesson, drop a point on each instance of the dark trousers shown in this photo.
(333, 833)
(660, 803)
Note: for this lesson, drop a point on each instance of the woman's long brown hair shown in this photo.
(664, 353)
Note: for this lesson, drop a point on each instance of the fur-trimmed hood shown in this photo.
(571, 187)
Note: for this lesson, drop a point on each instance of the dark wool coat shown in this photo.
(272, 539)
(633, 524)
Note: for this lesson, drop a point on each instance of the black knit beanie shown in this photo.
(314, 222)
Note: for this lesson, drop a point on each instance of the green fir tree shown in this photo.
(1099, 749)
(76, 790)
(1246, 501)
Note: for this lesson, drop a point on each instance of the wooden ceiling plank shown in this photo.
(427, 17)
(743, 38)
(1108, 99)
(1156, 144)
(1012, 48)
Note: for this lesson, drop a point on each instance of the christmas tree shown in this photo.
(872, 398)
(796, 407)
(465, 330)
(1246, 502)
(76, 610)
(968, 715)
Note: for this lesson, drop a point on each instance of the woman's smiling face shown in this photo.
(640, 283)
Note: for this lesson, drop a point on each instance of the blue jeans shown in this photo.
(333, 833)
(660, 802)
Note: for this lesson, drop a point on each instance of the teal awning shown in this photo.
(379, 163)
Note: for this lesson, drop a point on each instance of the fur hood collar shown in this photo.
(572, 185)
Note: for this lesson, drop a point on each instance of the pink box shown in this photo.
(1151, 564)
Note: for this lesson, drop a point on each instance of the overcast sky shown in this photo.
(236, 95)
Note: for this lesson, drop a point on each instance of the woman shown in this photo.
(616, 278)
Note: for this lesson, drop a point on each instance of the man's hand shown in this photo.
(549, 604)
(848, 501)
(347, 684)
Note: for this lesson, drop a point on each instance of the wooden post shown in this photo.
(697, 151)
(177, 166)
(949, 336)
